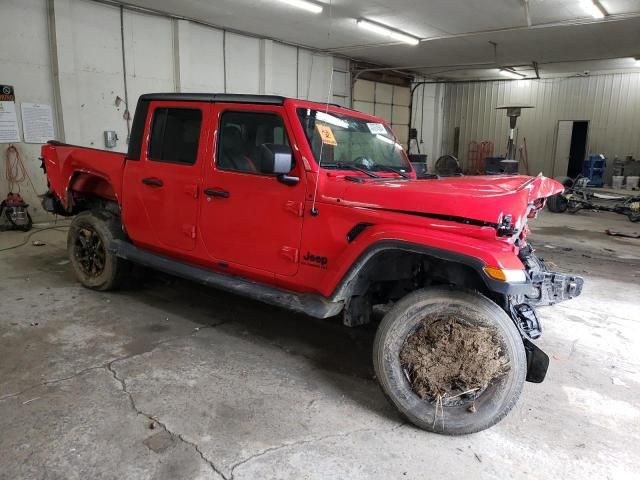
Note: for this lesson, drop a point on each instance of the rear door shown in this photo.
(248, 218)
(163, 187)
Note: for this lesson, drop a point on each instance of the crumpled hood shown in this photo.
(480, 198)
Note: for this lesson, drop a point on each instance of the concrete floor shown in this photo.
(169, 380)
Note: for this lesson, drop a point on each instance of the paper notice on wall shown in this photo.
(37, 122)
(9, 132)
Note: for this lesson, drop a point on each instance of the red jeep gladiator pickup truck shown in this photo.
(316, 208)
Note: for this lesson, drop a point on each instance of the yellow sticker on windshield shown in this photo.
(326, 134)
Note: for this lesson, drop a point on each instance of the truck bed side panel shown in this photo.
(83, 169)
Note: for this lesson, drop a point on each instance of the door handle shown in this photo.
(152, 182)
(212, 192)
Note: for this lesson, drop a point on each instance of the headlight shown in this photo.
(505, 274)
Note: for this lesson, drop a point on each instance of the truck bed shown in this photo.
(72, 166)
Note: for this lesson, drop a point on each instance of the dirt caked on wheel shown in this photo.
(88, 240)
(451, 361)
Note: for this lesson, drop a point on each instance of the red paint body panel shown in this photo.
(264, 229)
(164, 219)
(64, 162)
(258, 227)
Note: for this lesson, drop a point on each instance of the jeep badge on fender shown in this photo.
(315, 260)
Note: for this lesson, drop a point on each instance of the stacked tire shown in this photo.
(558, 203)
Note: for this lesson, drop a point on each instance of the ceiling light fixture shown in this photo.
(328, 118)
(388, 32)
(507, 72)
(594, 8)
(304, 5)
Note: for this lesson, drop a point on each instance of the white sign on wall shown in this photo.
(9, 132)
(37, 122)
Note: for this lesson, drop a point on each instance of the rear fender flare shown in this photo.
(89, 182)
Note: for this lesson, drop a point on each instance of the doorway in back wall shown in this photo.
(571, 147)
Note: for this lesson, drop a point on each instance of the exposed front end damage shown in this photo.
(545, 288)
(548, 288)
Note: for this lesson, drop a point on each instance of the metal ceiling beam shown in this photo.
(518, 28)
(539, 26)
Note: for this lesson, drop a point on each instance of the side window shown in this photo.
(242, 134)
(175, 133)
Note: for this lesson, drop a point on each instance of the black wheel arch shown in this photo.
(459, 269)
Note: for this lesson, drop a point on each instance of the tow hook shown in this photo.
(527, 320)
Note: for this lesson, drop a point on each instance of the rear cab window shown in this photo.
(175, 135)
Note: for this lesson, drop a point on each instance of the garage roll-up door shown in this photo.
(389, 102)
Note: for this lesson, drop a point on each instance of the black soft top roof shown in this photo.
(213, 97)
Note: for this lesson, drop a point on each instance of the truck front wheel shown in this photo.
(88, 240)
(451, 361)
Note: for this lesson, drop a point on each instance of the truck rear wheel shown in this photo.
(88, 240)
(451, 361)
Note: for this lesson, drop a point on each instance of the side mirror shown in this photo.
(278, 160)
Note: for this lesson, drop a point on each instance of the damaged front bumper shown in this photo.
(544, 288)
(548, 288)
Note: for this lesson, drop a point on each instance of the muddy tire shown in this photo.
(452, 418)
(88, 240)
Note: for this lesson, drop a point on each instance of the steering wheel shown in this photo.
(364, 162)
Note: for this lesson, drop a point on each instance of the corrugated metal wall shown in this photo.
(611, 103)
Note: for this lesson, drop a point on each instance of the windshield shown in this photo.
(342, 141)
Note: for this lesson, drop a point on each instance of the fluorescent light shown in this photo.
(388, 32)
(401, 37)
(511, 74)
(374, 27)
(388, 140)
(325, 117)
(303, 4)
(594, 8)
(385, 139)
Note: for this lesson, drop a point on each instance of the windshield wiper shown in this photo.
(348, 166)
(387, 168)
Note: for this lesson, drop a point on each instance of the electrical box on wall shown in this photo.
(110, 139)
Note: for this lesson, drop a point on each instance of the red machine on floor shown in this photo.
(478, 152)
(14, 213)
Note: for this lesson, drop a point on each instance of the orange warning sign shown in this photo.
(326, 134)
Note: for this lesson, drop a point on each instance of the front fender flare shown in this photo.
(343, 289)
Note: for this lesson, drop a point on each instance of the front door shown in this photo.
(162, 188)
(248, 218)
